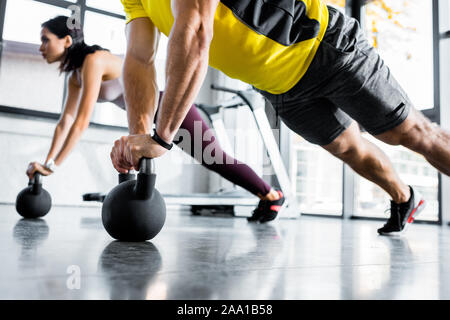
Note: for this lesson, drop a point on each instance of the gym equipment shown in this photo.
(33, 201)
(134, 210)
(97, 197)
(100, 197)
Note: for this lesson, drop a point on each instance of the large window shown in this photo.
(110, 36)
(23, 20)
(107, 5)
(26, 80)
(402, 31)
(316, 177)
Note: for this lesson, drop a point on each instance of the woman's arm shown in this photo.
(61, 130)
(66, 120)
(91, 74)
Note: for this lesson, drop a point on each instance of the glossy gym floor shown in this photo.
(68, 255)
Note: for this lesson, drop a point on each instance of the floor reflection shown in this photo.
(216, 258)
(223, 267)
(30, 234)
(130, 268)
(401, 267)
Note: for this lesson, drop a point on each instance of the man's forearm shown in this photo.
(141, 94)
(187, 64)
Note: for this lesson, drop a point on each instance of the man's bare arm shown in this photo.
(139, 74)
(187, 61)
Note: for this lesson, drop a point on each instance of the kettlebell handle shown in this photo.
(37, 178)
(123, 177)
(36, 183)
(147, 166)
(146, 178)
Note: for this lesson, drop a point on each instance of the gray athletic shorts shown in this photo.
(346, 80)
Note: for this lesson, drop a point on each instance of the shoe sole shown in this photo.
(418, 208)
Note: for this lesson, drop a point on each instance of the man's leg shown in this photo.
(321, 122)
(371, 163)
(418, 134)
(368, 161)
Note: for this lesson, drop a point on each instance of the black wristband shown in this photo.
(161, 142)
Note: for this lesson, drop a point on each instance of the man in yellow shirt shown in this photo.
(310, 61)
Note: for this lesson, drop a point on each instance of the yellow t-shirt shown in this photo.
(266, 43)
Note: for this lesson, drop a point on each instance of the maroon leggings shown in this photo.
(231, 169)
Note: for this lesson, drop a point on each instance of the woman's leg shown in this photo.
(217, 160)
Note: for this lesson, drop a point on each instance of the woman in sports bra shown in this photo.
(95, 76)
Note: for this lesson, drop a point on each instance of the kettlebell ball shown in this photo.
(134, 210)
(34, 201)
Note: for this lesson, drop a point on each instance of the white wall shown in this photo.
(27, 81)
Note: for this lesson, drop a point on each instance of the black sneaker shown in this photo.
(267, 210)
(403, 214)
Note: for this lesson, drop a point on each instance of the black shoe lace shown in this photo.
(394, 219)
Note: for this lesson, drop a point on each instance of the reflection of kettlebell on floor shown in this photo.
(129, 268)
(30, 234)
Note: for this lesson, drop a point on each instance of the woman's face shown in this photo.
(52, 48)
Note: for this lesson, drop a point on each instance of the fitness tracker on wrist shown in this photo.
(51, 165)
(161, 142)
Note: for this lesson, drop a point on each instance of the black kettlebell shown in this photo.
(134, 210)
(33, 201)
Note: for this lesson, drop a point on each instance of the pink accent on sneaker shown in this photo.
(411, 216)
